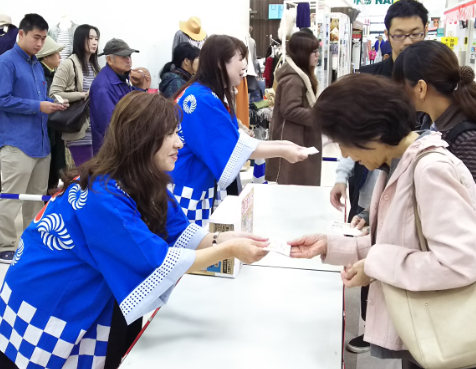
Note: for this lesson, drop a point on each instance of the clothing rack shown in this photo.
(294, 3)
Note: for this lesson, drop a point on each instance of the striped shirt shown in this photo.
(88, 78)
(63, 39)
(87, 82)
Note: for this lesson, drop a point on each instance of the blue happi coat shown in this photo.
(214, 151)
(84, 250)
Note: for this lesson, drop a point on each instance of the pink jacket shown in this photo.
(372, 55)
(446, 197)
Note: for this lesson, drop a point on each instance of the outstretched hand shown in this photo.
(309, 246)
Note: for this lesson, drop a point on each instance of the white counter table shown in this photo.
(278, 314)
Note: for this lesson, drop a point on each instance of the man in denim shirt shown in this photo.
(24, 143)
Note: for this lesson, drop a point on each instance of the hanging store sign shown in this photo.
(373, 2)
(451, 42)
(461, 12)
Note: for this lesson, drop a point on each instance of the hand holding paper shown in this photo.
(279, 246)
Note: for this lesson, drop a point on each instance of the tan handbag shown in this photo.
(437, 327)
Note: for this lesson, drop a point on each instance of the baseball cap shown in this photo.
(117, 47)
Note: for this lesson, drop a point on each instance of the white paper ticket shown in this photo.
(344, 228)
(59, 98)
(311, 151)
(279, 246)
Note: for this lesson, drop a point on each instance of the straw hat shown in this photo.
(5, 20)
(193, 29)
(49, 48)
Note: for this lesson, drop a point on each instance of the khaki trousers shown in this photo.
(21, 174)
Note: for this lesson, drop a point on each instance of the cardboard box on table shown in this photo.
(235, 213)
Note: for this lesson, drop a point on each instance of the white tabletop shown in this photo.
(289, 212)
(266, 318)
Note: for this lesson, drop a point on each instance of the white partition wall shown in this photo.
(148, 26)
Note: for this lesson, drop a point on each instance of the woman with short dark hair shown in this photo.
(180, 70)
(114, 240)
(214, 149)
(292, 117)
(413, 164)
(73, 80)
(446, 92)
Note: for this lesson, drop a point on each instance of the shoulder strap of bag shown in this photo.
(421, 237)
(459, 129)
(75, 75)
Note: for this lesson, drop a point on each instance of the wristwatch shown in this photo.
(215, 238)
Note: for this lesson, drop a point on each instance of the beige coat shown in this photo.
(293, 121)
(446, 197)
(63, 85)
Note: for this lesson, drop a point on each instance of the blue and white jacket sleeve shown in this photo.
(180, 232)
(214, 138)
(139, 267)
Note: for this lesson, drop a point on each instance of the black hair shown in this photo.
(406, 9)
(388, 121)
(307, 30)
(217, 51)
(445, 75)
(81, 36)
(182, 51)
(33, 21)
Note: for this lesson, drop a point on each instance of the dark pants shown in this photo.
(372, 61)
(355, 184)
(81, 154)
(6, 363)
(58, 158)
(121, 337)
(406, 364)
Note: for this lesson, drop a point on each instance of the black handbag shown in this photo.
(70, 120)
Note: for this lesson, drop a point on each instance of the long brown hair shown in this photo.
(437, 65)
(217, 51)
(300, 46)
(139, 124)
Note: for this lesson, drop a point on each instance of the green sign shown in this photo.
(440, 32)
(376, 2)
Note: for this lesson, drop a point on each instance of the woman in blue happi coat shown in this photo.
(214, 149)
(114, 235)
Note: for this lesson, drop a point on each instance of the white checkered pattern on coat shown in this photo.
(55, 351)
(196, 205)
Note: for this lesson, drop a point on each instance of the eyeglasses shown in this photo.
(413, 36)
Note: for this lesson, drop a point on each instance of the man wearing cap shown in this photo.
(114, 81)
(24, 143)
(50, 59)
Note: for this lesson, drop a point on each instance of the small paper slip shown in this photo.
(281, 247)
(311, 151)
(59, 98)
(344, 228)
